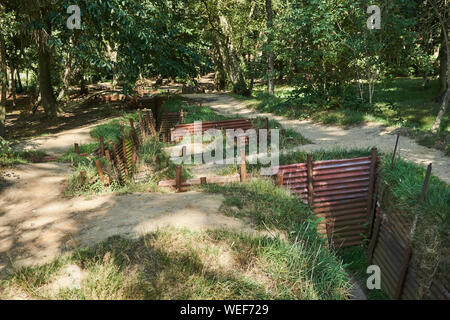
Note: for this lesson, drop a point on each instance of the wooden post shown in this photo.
(181, 116)
(134, 158)
(283, 133)
(83, 177)
(100, 172)
(183, 151)
(376, 232)
(266, 124)
(309, 164)
(243, 166)
(134, 134)
(395, 151)
(141, 124)
(425, 184)
(77, 150)
(203, 180)
(403, 272)
(280, 179)
(108, 156)
(102, 146)
(178, 178)
(373, 164)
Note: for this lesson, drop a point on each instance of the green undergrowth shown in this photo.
(153, 165)
(181, 264)
(9, 156)
(401, 191)
(290, 261)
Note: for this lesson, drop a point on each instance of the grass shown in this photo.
(402, 188)
(174, 264)
(399, 102)
(213, 264)
(10, 157)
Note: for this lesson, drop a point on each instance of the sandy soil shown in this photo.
(330, 137)
(58, 143)
(37, 223)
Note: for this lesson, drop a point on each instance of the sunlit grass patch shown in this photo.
(180, 264)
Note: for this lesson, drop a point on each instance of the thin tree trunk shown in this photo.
(270, 84)
(67, 69)
(443, 57)
(45, 80)
(19, 81)
(13, 85)
(444, 26)
(3, 81)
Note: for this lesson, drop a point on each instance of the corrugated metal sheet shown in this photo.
(391, 249)
(340, 193)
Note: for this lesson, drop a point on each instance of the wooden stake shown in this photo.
(178, 178)
(77, 150)
(373, 163)
(102, 146)
(309, 164)
(376, 232)
(280, 179)
(108, 156)
(100, 171)
(243, 166)
(403, 272)
(395, 151)
(203, 180)
(425, 184)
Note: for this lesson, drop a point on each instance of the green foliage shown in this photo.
(8, 156)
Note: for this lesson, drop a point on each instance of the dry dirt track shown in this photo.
(330, 137)
(37, 223)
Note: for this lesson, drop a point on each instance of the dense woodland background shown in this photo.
(321, 49)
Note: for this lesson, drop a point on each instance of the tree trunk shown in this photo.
(45, 80)
(3, 81)
(67, 69)
(437, 122)
(13, 85)
(270, 84)
(443, 68)
(19, 81)
(445, 47)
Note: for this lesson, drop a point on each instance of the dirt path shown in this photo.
(331, 137)
(37, 223)
(58, 143)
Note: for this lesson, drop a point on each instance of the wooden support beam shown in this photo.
(178, 178)
(376, 232)
(373, 164)
(309, 165)
(425, 184)
(102, 146)
(395, 151)
(280, 179)
(403, 272)
(243, 166)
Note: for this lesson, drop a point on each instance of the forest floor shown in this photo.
(326, 137)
